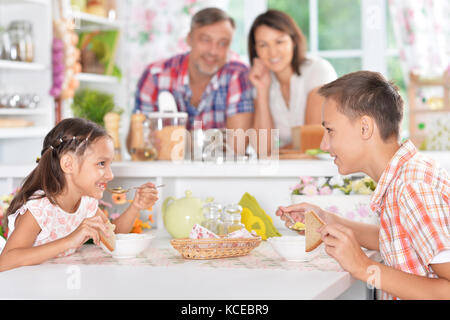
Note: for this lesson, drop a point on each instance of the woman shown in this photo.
(286, 81)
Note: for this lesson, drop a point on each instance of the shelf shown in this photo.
(26, 66)
(27, 132)
(97, 78)
(20, 2)
(85, 21)
(431, 111)
(23, 112)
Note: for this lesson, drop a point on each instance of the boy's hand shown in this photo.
(145, 197)
(297, 212)
(341, 244)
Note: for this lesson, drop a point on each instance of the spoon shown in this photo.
(120, 190)
(292, 226)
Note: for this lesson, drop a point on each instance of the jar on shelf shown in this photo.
(212, 221)
(96, 7)
(168, 134)
(111, 9)
(5, 45)
(232, 213)
(21, 41)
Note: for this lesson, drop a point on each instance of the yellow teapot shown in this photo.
(180, 215)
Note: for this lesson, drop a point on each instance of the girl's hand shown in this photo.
(145, 197)
(259, 76)
(90, 228)
(297, 212)
(341, 244)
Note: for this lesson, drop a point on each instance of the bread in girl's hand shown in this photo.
(109, 239)
(313, 238)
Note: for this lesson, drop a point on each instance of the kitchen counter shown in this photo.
(161, 273)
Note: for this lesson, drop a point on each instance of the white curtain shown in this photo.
(422, 30)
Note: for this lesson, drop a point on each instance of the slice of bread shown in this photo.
(109, 239)
(313, 238)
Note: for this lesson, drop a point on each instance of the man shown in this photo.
(212, 88)
(362, 115)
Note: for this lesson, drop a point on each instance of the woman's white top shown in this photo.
(315, 72)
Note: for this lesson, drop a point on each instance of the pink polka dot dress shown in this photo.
(55, 223)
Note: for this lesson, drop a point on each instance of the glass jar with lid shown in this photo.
(232, 213)
(5, 46)
(21, 41)
(211, 212)
(168, 132)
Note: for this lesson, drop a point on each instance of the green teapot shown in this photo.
(180, 215)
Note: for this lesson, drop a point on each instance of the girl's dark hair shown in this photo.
(282, 22)
(70, 135)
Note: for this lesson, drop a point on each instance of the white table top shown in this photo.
(161, 273)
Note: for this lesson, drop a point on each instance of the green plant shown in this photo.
(93, 105)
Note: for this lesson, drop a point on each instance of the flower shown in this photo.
(325, 191)
(337, 185)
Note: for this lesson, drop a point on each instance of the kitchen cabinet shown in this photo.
(22, 145)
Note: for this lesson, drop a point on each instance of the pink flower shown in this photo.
(325, 191)
(307, 180)
(310, 190)
(296, 187)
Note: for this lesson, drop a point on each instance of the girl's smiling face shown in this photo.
(94, 168)
(341, 139)
(275, 48)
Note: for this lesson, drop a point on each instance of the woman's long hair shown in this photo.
(282, 22)
(70, 135)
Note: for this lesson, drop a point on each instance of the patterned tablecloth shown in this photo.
(262, 257)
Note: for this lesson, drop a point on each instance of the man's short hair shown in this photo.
(210, 16)
(368, 93)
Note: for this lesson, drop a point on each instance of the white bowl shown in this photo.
(291, 248)
(129, 245)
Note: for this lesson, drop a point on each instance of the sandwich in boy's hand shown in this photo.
(313, 238)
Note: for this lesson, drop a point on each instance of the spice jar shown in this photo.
(137, 137)
(233, 214)
(212, 221)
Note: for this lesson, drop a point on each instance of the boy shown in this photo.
(361, 116)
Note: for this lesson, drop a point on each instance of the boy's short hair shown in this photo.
(210, 16)
(368, 93)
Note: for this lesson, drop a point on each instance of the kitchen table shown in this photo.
(161, 273)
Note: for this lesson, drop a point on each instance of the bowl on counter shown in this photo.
(291, 248)
(129, 245)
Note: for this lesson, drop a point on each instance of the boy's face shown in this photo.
(342, 139)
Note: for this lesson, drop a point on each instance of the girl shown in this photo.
(56, 210)
(286, 81)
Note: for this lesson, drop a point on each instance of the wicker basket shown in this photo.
(215, 248)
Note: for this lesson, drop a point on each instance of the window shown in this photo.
(325, 23)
